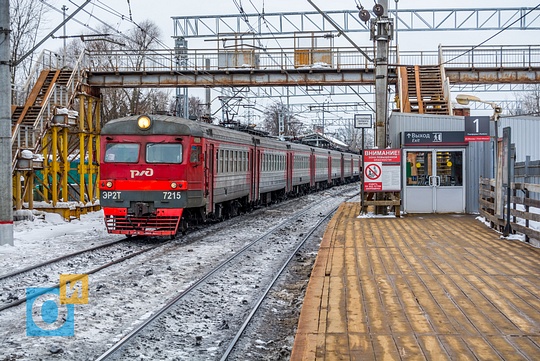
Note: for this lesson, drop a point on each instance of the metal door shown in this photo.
(209, 172)
(434, 181)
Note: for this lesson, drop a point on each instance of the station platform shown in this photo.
(421, 287)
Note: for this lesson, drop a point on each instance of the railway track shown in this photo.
(101, 257)
(125, 295)
(201, 305)
(106, 255)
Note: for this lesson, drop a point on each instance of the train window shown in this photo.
(236, 161)
(164, 153)
(220, 161)
(122, 153)
(195, 156)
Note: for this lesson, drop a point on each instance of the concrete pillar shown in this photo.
(6, 185)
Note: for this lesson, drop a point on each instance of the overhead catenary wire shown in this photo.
(491, 37)
(261, 16)
(104, 7)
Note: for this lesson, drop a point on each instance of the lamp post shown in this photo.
(464, 99)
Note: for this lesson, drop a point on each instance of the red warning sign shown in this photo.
(382, 170)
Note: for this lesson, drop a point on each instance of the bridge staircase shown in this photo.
(46, 138)
(424, 90)
(24, 117)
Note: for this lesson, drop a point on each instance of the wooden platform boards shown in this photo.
(422, 287)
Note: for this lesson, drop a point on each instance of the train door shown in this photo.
(289, 170)
(255, 155)
(209, 171)
(312, 168)
(342, 167)
(329, 165)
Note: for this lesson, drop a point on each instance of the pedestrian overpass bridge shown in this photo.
(422, 80)
(305, 67)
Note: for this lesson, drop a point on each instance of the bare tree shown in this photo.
(530, 102)
(279, 113)
(25, 19)
(126, 101)
(197, 107)
(353, 137)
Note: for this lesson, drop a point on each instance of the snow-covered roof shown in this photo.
(319, 136)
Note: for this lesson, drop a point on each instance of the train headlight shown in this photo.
(109, 184)
(174, 185)
(144, 122)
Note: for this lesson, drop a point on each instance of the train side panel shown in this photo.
(177, 170)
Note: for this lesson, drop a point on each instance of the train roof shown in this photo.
(163, 124)
(166, 124)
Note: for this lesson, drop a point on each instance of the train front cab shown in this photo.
(145, 178)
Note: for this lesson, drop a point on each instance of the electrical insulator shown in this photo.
(378, 10)
(364, 15)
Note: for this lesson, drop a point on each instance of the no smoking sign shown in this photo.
(373, 171)
(372, 176)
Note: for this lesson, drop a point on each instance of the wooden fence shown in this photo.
(521, 201)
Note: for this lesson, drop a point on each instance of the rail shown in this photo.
(525, 210)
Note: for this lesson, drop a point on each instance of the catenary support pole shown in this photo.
(382, 38)
(6, 187)
(382, 35)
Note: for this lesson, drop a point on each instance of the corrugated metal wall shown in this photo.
(478, 155)
(405, 122)
(525, 135)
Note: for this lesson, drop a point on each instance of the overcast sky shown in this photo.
(161, 11)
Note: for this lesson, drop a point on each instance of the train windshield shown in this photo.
(122, 153)
(164, 153)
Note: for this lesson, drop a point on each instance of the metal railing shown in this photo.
(46, 60)
(29, 137)
(290, 59)
(196, 60)
(497, 57)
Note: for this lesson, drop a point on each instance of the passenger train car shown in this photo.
(159, 173)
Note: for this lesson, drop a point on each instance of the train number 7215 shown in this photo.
(172, 195)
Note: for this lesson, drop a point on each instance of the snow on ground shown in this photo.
(48, 236)
(121, 297)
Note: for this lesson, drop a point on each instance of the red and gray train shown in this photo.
(159, 173)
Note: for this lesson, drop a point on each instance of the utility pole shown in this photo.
(64, 9)
(182, 99)
(6, 188)
(381, 32)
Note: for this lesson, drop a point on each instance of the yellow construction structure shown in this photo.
(55, 141)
